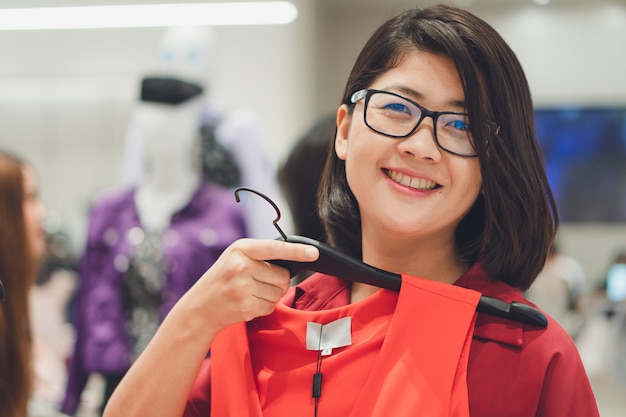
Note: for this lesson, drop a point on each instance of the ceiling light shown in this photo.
(149, 15)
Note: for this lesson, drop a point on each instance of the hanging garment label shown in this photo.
(326, 337)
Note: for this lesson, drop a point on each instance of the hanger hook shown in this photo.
(275, 222)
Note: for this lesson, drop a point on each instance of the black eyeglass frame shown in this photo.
(367, 93)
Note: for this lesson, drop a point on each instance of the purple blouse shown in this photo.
(195, 238)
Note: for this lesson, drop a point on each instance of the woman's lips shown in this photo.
(421, 184)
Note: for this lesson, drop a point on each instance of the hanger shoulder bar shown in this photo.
(332, 262)
(514, 311)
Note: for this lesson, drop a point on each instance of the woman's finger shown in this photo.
(265, 250)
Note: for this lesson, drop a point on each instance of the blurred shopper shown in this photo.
(299, 177)
(22, 245)
(616, 280)
(53, 335)
(562, 291)
(616, 297)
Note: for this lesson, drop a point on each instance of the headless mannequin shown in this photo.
(149, 241)
(184, 53)
(168, 175)
(188, 53)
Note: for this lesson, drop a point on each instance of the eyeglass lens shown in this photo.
(395, 116)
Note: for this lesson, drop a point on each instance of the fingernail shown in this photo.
(311, 252)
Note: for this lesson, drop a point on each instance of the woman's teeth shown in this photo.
(417, 183)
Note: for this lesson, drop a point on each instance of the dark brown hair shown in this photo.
(513, 222)
(17, 272)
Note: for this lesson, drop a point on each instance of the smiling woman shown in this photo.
(434, 174)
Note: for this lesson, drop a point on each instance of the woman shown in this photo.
(456, 194)
(22, 245)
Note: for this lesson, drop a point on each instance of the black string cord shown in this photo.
(317, 379)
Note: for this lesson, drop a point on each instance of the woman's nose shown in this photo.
(422, 143)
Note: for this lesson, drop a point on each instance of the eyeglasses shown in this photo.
(395, 116)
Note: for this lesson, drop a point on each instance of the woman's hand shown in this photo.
(242, 285)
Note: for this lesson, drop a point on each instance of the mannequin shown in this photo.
(189, 53)
(150, 240)
(169, 176)
(184, 53)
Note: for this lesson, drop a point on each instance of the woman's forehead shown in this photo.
(422, 75)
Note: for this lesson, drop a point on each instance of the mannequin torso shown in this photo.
(169, 176)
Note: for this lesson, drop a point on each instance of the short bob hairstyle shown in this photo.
(513, 223)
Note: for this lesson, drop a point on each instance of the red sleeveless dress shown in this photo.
(408, 357)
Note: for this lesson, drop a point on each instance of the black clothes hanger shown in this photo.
(335, 263)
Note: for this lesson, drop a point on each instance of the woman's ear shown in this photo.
(344, 118)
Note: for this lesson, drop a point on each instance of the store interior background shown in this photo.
(66, 95)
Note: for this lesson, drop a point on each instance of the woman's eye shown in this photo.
(459, 124)
(397, 108)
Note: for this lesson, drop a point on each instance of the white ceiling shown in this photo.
(6, 4)
(383, 6)
(473, 4)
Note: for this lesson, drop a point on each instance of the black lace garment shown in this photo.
(143, 292)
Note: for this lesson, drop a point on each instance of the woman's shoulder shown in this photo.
(515, 365)
(511, 332)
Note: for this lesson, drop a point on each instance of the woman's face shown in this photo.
(443, 186)
(34, 213)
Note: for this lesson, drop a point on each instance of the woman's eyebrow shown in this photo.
(417, 96)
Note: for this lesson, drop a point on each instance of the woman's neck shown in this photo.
(426, 262)
(430, 257)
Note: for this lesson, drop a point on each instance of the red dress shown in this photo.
(390, 368)
(514, 370)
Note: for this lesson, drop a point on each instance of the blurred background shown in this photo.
(66, 95)
(66, 98)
